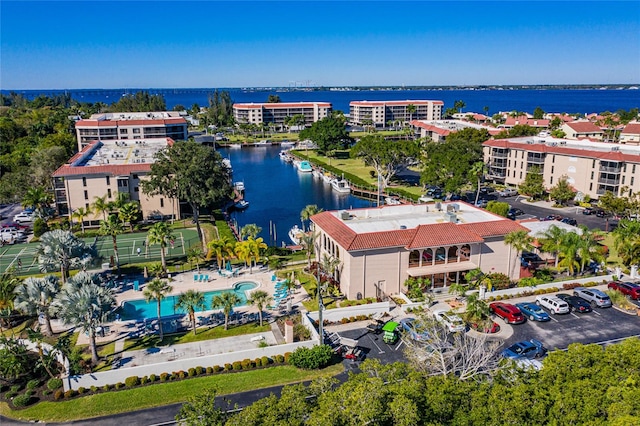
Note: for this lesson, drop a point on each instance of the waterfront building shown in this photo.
(524, 120)
(113, 126)
(382, 112)
(278, 112)
(582, 130)
(380, 248)
(590, 167)
(107, 168)
(630, 135)
(438, 130)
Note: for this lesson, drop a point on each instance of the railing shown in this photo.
(499, 154)
(608, 169)
(605, 181)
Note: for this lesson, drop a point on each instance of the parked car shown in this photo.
(508, 312)
(409, 326)
(552, 217)
(631, 290)
(15, 226)
(482, 203)
(23, 217)
(569, 221)
(602, 213)
(516, 211)
(452, 321)
(588, 211)
(533, 311)
(525, 349)
(508, 192)
(575, 303)
(593, 296)
(553, 304)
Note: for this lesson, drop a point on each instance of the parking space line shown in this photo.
(553, 319)
(399, 344)
(380, 351)
(574, 315)
(595, 312)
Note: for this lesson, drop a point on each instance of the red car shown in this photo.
(15, 226)
(630, 290)
(508, 312)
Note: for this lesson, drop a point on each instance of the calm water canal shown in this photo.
(277, 192)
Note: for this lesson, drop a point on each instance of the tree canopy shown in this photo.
(220, 111)
(533, 184)
(329, 134)
(562, 192)
(386, 157)
(141, 101)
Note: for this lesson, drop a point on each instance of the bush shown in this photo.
(199, 370)
(247, 364)
(58, 395)
(70, 393)
(164, 377)
(120, 385)
(39, 227)
(279, 359)
(144, 380)
(93, 389)
(54, 383)
(106, 388)
(46, 392)
(569, 286)
(217, 369)
(153, 378)
(191, 372)
(82, 390)
(22, 400)
(181, 374)
(317, 357)
(228, 367)
(32, 384)
(10, 394)
(264, 361)
(132, 381)
(237, 366)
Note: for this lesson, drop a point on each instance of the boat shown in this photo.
(326, 178)
(295, 234)
(264, 142)
(341, 186)
(227, 163)
(317, 174)
(241, 204)
(304, 166)
(287, 143)
(235, 146)
(284, 155)
(238, 186)
(392, 201)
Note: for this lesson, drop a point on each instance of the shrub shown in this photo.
(58, 395)
(301, 332)
(32, 384)
(199, 370)
(10, 394)
(46, 392)
(499, 281)
(132, 381)
(22, 400)
(106, 388)
(209, 370)
(93, 389)
(257, 362)
(70, 393)
(264, 361)
(164, 377)
(181, 374)
(317, 357)
(120, 385)
(228, 367)
(191, 372)
(82, 390)
(279, 359)
(286, 356)
(237, 366)
(54, 383)
(39, 227)
(153, 378)
(247, 364)
(217, 369)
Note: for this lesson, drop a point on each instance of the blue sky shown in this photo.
(118, 44)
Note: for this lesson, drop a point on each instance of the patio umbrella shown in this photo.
(229, 266)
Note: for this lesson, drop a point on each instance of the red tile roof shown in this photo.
(563, 150)
(431, 128)
(492, 229)
(107, 169)
(632, 129)
(584, 127)
(442, 233)
(524, 120)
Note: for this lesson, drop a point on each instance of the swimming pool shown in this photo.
(140, 309)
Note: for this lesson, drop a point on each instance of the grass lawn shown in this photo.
(156, 395)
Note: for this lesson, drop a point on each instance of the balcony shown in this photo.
(499, 154)
(607, 181)
(608, 169)
(535, 160)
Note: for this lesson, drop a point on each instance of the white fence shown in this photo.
(336, 315)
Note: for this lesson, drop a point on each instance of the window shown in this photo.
(86, 206)
(86, 195)
(591, 186)
(592, 172)
(551, 180)
(135, 176)
(552, 170)
(136, 189)
(553, 158)
(108, 192)
(161, 202)
(623, 179)
(631, 181)
(84, 181)
(108, 180)
(521, 174)
(136, 130)
(633, 169)
(124, 131)
(593, 164)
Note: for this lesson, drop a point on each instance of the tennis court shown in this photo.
(23, 257)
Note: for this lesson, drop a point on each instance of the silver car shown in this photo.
(508, 192)
(594, 296)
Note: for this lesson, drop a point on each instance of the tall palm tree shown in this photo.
(160, 233)
(101, 205)
(477, 172)
(411, 109)
(157, 290)
(226, 301)
(307, 241)
(195, 254)
(589, 249)
(569, 252)
(35, 296)
(552, 241)
(260, 299)
(80, 213)
(112, 227)
(122, 199)
(223, 248)
(84, 304)
(191, 301)
(255, 246)
(250, 230)
(61, 250)
(307, 212)
(520, 241)
(627, 241)
(243, 252)
(128, 213)
(38, 198)
(330, 264)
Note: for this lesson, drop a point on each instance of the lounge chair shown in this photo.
(196, 277)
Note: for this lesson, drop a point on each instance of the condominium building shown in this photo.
(378, 249)
(278, 112)
(590, 167)
(131, 125)
(379, 113)
(106, 168)
(582, 130)
(630, 135)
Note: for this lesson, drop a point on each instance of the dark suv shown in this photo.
(508, 312)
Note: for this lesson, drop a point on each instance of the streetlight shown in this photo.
(319, 294)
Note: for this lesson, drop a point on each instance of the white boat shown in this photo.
(304, 166)
(238, 186)
(317, 174)
(392, 201)
(264, 142)
(294, 235)
(326, 178)
(235, 146)
(226, 163)
(241, 204)
(287, 143)
(284, 155)
(341, 186)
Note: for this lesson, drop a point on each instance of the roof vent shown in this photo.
(403, 226)
(344, 215)
(451, 217)
(453, 207)
(439, 206)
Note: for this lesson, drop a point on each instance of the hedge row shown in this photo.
(566, 286)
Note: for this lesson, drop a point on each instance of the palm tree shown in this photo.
(477, 172)
(37, 198)
(307, 241)
(191, 301)
(260, 299)
(569, 252)
(459, 105)
(250, 230)
(61, 250)
(627, 241)
(307, 212)
(157, 290)
(477, 309)
(84, 304)
(112, 227)
(222, 248)
(552, 241)
(195, 254)
(589, 249)
(518, 240)
(411, 109)
(243, 252)
(80, 213)
(226, 301)
(128, 213)
(160, 233)
(254, 246)
(330, 264)
(101, 205)
(122, 199)
(35, 296)
(8, 284)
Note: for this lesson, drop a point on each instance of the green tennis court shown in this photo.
(23, 257)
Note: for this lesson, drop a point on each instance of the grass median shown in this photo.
(115, 402)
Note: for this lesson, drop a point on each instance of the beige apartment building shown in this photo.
(630, 135)
(591, 167)
(380, 248)
(107, 168)
(131, 125)
(582, 130)
(382, 112)
(277, 112)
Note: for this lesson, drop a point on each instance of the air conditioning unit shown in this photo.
(344, 215)
(450, 217)
(439, 206)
